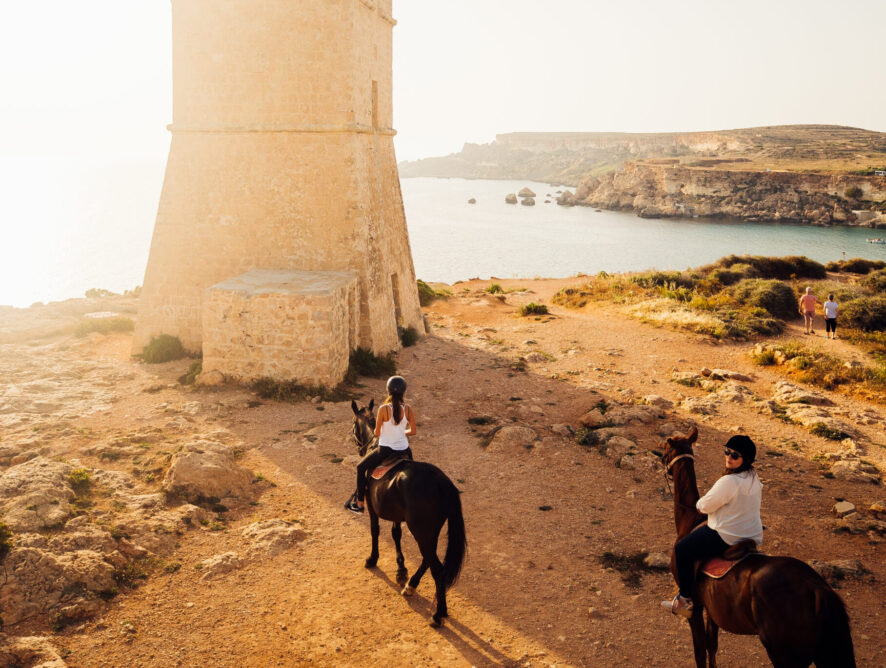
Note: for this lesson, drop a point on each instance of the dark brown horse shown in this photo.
(799, 618)
(421, 495)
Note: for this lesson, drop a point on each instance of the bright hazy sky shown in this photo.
(92, 77)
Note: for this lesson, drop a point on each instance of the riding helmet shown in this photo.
(396, 385)
(744, 445)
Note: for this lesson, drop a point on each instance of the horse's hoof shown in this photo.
(436, 622)
(402, 577)
(371, 563)
(407, 591)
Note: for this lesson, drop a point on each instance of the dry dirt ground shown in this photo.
(533, 590)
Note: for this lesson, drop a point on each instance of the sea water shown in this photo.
(71, 226)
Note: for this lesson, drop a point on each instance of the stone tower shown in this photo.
(282, 159)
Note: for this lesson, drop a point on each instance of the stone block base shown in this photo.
(284, 325)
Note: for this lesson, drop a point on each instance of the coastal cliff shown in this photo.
(663, 188)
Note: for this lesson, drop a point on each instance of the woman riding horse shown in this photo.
(394, 423)
(733, 509)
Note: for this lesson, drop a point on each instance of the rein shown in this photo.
(668, 476)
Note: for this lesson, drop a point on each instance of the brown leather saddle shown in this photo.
(379, 471)
(718, 567)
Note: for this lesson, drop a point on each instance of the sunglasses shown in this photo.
(732, 454)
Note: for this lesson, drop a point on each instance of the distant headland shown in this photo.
(818, 174)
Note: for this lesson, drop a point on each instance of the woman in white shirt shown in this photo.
(394, 422)
(830, 317)
(733, 509)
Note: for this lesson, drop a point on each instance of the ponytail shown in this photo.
(396, 401)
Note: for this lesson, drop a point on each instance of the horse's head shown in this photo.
(678, 446)
(364, 425)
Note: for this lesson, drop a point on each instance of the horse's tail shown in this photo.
(457, 542)
(834, 647)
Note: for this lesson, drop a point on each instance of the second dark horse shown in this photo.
(421, 495)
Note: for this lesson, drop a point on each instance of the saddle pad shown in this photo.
(717, 567)
(386, 466)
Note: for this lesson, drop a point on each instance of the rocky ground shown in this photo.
(158, 524)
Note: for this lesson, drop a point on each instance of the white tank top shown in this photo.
(393, 436)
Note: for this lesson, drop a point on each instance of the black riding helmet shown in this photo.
(396, 385)
(745, 446)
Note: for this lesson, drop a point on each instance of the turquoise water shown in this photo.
(453, 240)
(67, 227)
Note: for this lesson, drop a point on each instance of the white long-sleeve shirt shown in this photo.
(733, 507)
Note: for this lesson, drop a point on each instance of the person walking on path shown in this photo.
(830, 317)
(807, 308)
(394, 423)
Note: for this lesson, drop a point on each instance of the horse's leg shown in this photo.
(412, 585)
(402, 573)
(374, 530)
(696, 624)
(427, 545)
(711, 631)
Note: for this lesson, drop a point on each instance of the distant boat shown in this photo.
(877, 241)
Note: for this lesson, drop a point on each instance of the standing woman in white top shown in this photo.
(831, 308)
(733, 509)
(394, 422)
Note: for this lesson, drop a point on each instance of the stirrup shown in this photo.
(679, 606)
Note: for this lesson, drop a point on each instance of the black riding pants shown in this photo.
(702, 544)
(370, 461)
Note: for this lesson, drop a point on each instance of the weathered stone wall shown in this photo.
(282, 325)
(281, 158)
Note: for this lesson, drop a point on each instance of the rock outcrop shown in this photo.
(207, 470)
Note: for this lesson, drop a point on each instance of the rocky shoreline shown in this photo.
(655, 190)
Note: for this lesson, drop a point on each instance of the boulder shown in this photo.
(700, 405)
(787, 393)
(527, 201)
(617, 447)
(658, 401)
(512, 438)
(36, 495)
(526, 192)
(839, 568)
(854, 470)
(659, 561)
(566, 199)
(511, 198)
(271, 537)
(219, 564)
(32, 651)
(843, 508)
(725, 374)
(735, 393)
(593, 419)
(643, 414)
(206, 470)
(472, 201)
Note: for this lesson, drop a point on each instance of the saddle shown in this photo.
(379, 471)
(718, 567)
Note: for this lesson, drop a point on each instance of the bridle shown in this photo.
(362, 434)
(668, 475)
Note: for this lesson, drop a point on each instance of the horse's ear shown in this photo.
(371, 404)
(693, 434)
(354, 407)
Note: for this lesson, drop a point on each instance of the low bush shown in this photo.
(783, 268)
(408, 336)
(865, 313)
(79, 478)
(855, 265)
(364, 362)
(533, 309)
(95, 293)
(777, 298)
(494, 289)
(293, 391)
(821, 429)
(163, 348)
(572, 297)
(853, 192)
(876, 282)
(766, 357)
(5, 540)
(427, 294)
(194, 370)
(103, 325)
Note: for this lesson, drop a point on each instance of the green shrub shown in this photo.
(853, 192)
(876, 282)
(494, 289)
(855, 265)
(533, 309)
(765, 357)
(821, 429)
(194, 370)
(776, 297)
(103, 325)
(782, 268)
(366, 363)
(408, 336)
(866, 313)
(427, 294)
(659, 279)
(80, 479)
(163, 348)
(5, 540)
(293, 391)
(94, 293)
(572, 297)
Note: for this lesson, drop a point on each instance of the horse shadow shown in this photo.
(471, 646)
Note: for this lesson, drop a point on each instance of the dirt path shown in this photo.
(533, 591)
